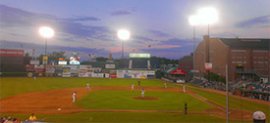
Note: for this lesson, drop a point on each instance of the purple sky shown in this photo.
(89, 26)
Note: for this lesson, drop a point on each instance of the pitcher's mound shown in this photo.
(145, 98)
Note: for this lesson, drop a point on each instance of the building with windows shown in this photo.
(246, 58)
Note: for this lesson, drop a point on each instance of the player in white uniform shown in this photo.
(165, 84)
(142, 93)
(87, 86)
(132, 87)
(74, 97)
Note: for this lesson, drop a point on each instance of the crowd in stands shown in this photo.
(9, 119)
(247, 88)
(202, 82)
(256, 90)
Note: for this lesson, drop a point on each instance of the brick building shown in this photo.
(246, 58)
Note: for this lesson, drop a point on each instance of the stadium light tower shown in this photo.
(208, 16)
(123, 35)
(194, 21)
(47, 33)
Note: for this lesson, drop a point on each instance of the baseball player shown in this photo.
(139, 83)
(87, 86)
(74, 96)
(165, 84)
(142, 93)
(132, 87)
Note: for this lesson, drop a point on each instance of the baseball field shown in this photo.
(113, 100)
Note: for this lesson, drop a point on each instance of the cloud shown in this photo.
(120, 13)
(176, 41)
(73, 35)
(81, 30)
(39, 48)
(14, 17)
(66, 29)
(143, 38)
(159, 33)
(115, 49)
(84, 19)
(173, 53)
(258, 21)
(173, 48)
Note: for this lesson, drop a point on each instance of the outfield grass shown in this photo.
(125, 100)
(12, 86)
(234, 102)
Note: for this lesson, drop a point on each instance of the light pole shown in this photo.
(194, 21)
(123, 35)
(47, 33)
(208, 16)
(268, 56)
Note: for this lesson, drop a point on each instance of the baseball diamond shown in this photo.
(50, 99)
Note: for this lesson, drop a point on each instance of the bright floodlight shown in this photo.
(208, 15)
(123, 34)
(194, 20)
(46, 32)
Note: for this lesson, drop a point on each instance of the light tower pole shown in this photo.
(123, 35)
(194, 21)
(47, 33)
(208, 16)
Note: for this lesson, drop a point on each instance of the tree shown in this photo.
(215, 77)
(101, 59)
(54, 56)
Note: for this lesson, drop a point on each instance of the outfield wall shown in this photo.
(89, 71)
(135, 74)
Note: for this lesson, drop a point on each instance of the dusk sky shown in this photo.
(90, 26)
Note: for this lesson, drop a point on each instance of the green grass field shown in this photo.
(124, 100)
(234, 102)
(170, 102)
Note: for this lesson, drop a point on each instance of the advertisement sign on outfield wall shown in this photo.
(135, 74)
(110, 66)
(66, 72)
(85, 71)
(34, 62)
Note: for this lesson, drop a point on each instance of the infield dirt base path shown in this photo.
(60, 102)
(49, 102)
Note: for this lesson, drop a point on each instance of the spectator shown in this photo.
(32, 117)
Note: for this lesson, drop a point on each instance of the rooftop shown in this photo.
(238, 43)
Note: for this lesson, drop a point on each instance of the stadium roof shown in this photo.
(178, 71)
(237, 43)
